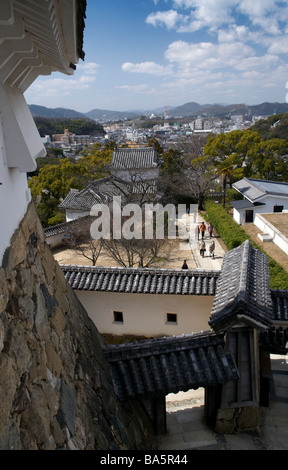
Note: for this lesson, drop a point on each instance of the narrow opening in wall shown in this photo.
(118, 316)
(172, 318)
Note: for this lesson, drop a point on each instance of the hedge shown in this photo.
(233, 235)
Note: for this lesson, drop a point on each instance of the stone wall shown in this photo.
(55, 386)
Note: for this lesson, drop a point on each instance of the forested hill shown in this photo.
(78, 126)
(274, 127)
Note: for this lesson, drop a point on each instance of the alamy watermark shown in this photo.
(116, 221)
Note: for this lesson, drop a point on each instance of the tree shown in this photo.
(199, 179)
(187, 170)
(228, 153)
(132, 247)
(138, 252)
(54, 180)
(268, 160)
(79, 239)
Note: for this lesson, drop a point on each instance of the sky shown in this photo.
(148, 54)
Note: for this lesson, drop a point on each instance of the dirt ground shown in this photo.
(177, 256)
(281, 223)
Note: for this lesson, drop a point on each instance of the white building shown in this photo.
(147, 302)
(259, 197)
(37, 38)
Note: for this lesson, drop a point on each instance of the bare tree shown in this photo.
(79, 239)
(194, 176)
(138, 253)
(199, 178)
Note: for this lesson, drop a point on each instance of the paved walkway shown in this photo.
(186, 429)
(206, 262)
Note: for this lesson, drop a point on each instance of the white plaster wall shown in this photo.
(55, 240)
(73, 215)
(270, 202)
(145, 314)
(238, 216)
(266, 227)
(14, 199)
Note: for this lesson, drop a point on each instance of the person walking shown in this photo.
(210, 230)
(202, 247)
(202, 230)
(197, 232)
(185, 265)
(212, 249)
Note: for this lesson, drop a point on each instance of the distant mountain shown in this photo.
(105, 115)
(188, 109)
(95, 114)
(42, 111)
(194, 109)
(191, 109)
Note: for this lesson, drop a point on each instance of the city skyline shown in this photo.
(154, 53)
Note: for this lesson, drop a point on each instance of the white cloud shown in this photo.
(206, 55)
(57, 86)
(146, 67)
(264, 14)
(134, 88)
(90, 68)
(167, 18)
(278, 45)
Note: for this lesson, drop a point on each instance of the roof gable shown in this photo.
(243, 294)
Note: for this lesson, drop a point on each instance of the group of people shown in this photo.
(200, 233)
(200, 230)
(202, 248)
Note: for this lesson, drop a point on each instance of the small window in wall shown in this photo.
(172, 318)
(278, 208)
(118, 316)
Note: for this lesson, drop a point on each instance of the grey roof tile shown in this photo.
(280, 305)
(132, 159)
(157, 367)
(80, 200)
(243, 293)
(275, 338)
(67, 227)
(141, 280)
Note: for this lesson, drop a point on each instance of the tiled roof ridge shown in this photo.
(154, 346)
(157, 367)
(60, 228)
(141, 280)
(134, 270)
(243, 291)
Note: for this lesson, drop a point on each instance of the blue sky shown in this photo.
(145, 54)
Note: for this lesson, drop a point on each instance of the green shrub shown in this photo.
(233, 235)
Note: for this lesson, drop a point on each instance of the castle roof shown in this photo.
(134, 158)
(153, 368)
(141, 280)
